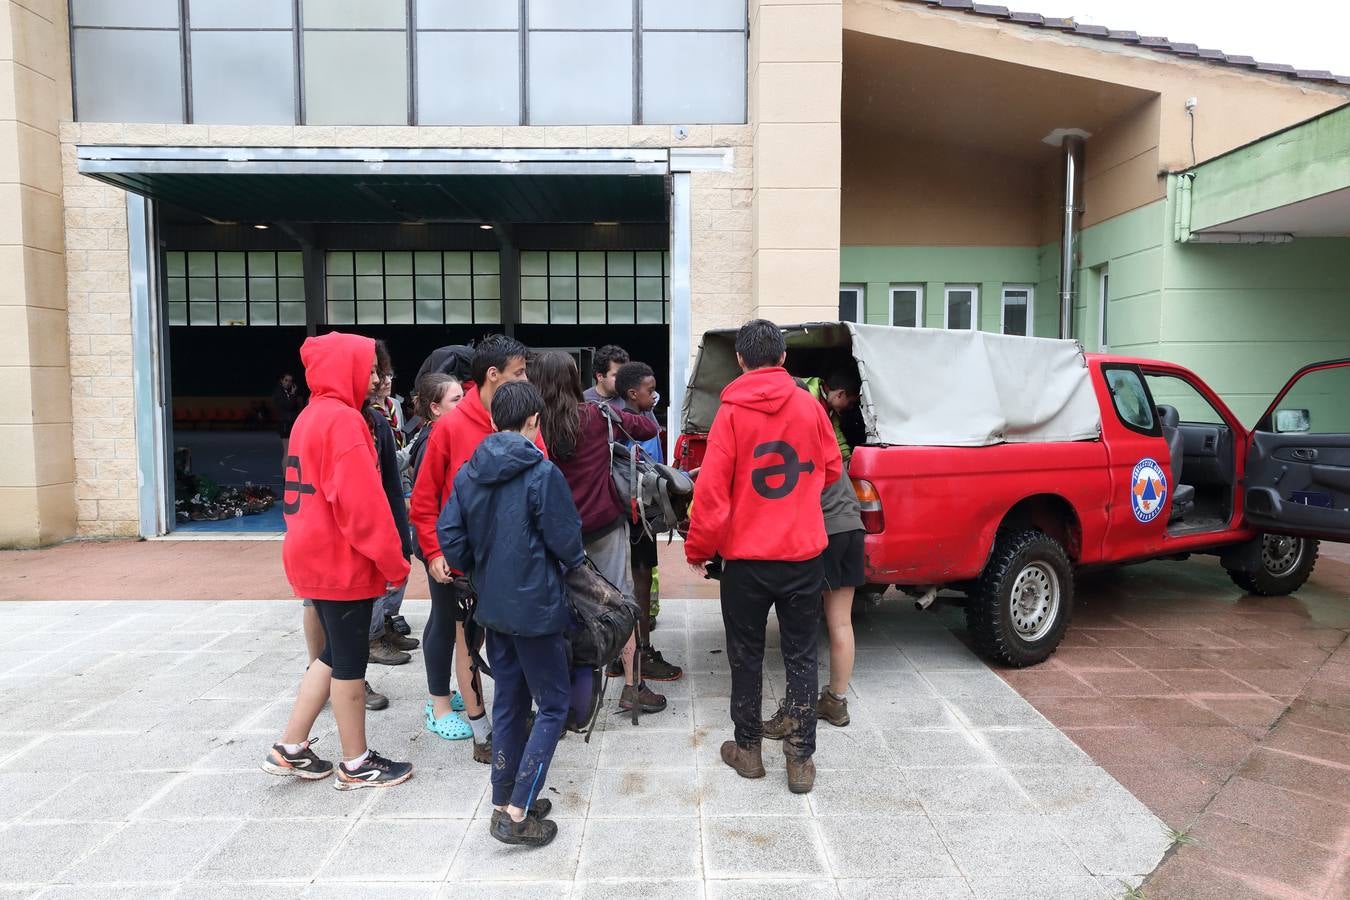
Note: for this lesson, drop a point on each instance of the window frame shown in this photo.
(974, 290)
(1156, 429)
(1103, 309)
(859, 290)
(1030, 290)
(917, 288)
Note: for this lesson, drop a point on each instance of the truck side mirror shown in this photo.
(1292, 421)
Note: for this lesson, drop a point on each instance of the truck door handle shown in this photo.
(1307, 454)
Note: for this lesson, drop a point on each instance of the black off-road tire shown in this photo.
(1278, 579)
(989, 611)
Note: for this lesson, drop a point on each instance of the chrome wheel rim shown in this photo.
(1281, 554)
(1035, 601)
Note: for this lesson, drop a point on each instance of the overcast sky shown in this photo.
(1309, 34)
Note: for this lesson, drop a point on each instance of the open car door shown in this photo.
(1298, 461)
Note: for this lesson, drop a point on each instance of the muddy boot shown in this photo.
(384, 655)
(482, 753)
(530, 832)
(831, 708)
(746, 761)
(650, 700)
(374, 699)
(655, 667)
(801, 774)
(396, 640)
(780, 726)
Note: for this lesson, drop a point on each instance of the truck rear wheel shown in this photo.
(1020, 607)
(1286, 563)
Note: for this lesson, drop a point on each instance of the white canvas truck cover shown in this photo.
(931, 387)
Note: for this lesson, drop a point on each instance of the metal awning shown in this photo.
(306, 184)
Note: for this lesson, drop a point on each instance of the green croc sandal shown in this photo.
(456, 704)
(451, 726)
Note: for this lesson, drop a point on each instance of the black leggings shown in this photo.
(346, 632)
(438, 638)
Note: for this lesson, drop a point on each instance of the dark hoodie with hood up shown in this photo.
(771, 451)
(341, 542)
(512, 526)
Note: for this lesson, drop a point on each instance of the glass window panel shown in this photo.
(651, 313)
(399, 312)
(467, 14)
(487, 312)
(849, 300)
(177, 289)
(233, 312)
(262, 262)
(291, 264)
(426, 263)
(562, 313)
(571, 14)
(369, 287)
(458, 287)
(534, 262)
(202, 264)
(534, 312)
(904, 307)
(650, 289)
(960, 308)
(129, 13)
(468, 78)
(621, 289)
(262, 289)
(370, 312)
(370, 263)
(341, 288)
(177, 313)
(592, 289)
(581, 78)
(562, 262)
(291, 288)
(621, 264)
(459, 312)
(398, 264)
(243, 76)
(203, 313)
(356, 77)
(592, 312)
(398, 287)
(591, 263)
(232, 289)
(262, 314)
(128, 76)
(649, 262)
(428, 287)
(341, 312)
(665, 260)
(292, 314)
(689, 77)
(487, 287)
(229, 264)
(621, 313)
(202, 289)
(240, 14)
(458, 263)
(175, 262)
(1015, 320)
(693, 14)
(533, 288)
(430, 311)
(486, 262)
(355, 14)
(562, 288)
(338, 264)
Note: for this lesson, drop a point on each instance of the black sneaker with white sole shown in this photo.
(302, 764)
(376, 771)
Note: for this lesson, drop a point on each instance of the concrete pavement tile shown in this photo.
(643, 792)
(864, 792)
(677, 716)
(912, 712)
(1073, 789)
(749, 847)
(1086, 659)
(943, 748)
(1206, 681)
(1046, 682)
(1043, 887)
(854, 747)
(1126, 684)
(885, 686)
(108, 753)
(1259, 712)
(1117, 845)
(624, 747)
(969, 684)
(574, 753)
(21, 792)
(902, 844)
(138, 852)
(951, 888)
(996, 712)
(787, 889)
(1033, 747)
(1318, 715)
(516, 890)
(225, 890)
(943, 659)
(254, 795)
(483, 858)
(128, 891)
(418, 850)
(703, 685)
(952, 792)
(1068, 712)
(101, 798)
(1176, 792)
(330, 890)
(1283, 812)
(1125, 636)
(1261, 854)
(429, 794)
(1299, 775)
(1006, 844)
(648, 890)
(724, 793)
(40, 852)
(878, 659)
(255, 850)
(1164, 711)
(1313, 743)
(675, 849)
(1223, 747)
(1186, 879)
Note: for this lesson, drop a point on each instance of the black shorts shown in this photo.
(346, 632)
(644, 548)
(843, 558)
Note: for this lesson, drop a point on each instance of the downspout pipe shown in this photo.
(1068, 246)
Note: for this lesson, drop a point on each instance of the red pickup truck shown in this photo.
(999, 466)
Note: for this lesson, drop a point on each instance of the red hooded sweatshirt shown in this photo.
(454, 439)
(770, 454)
(341, 542)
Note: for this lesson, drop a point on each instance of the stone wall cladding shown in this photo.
(98, 280)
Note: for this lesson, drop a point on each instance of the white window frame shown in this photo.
(974, 290)
(1103, 307)
(1030, 290)
(860, 291)
(917, 289)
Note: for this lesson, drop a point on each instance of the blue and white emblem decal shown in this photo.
(1148, 490)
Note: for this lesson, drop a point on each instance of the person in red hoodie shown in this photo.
(342, 550)
(496, 361)
(771, 452)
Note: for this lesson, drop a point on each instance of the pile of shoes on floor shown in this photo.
(200, 499)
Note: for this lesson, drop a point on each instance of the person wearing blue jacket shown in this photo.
(512, 526)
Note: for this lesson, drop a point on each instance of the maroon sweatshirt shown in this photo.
(587, 470)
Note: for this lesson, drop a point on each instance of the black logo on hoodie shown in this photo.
(790, 470)
(297, 487)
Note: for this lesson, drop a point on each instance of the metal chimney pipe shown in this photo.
(1068, 246)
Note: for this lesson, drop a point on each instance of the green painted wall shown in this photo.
(1129, 248)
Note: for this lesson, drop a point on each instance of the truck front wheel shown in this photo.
(1020, 608)
(1286, 562)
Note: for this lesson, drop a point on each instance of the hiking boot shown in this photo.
(832, 709)
(649, 701)
(398, 641)
(538, 810)
(376, 771)
(801, 774)
(655, 667)
(529, 832)
(482, 753)
(374, 699)
(382, 654)
(780, 726)
(302, 764)
(746, 761)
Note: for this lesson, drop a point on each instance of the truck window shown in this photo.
(1192, 407)
(1316, 404)
(1130, 399)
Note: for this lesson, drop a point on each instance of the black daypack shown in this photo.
(603, 620)
(454, 359)
(653, 495)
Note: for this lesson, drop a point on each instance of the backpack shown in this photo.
(603, 619)
(455, 359)
(655, 496)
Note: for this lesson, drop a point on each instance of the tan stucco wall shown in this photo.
(36, 471)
